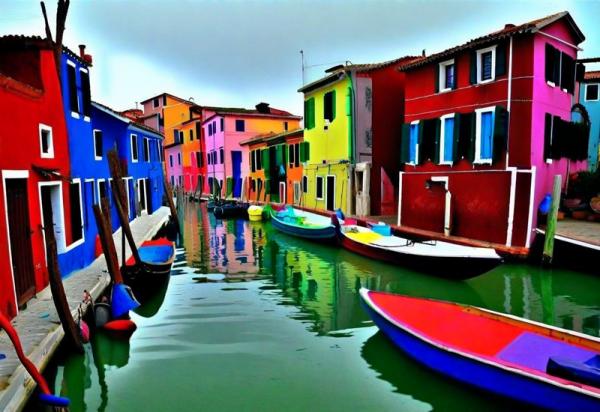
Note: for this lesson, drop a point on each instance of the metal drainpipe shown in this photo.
(509, 96)
(351, 147)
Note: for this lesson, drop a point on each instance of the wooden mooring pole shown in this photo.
(551, 222)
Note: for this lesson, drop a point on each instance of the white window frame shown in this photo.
(442, 137)
(59, 234)
(75, 114)
(45, 128)
(479, 67)
(478, 113)
(442, 75)
(416, 161)
(96, 157)
(322, 179)
(147, 149)
(137, 153)
(334, 190)
(81, 206)
(597, 93)
(81, 69)
(98, 197)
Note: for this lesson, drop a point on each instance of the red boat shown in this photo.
(534, 363)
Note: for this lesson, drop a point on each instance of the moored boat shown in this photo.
(157, 257)
(231, 210)
(303, 224)
(438, 258)
(533, 363)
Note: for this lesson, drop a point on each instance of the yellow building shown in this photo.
(327, 176)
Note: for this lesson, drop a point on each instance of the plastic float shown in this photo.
(46, 395)
(531, 362)
(255, 213)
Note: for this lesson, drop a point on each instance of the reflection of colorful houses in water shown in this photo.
(230, 245)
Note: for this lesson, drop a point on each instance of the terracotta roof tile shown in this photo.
(594, 75)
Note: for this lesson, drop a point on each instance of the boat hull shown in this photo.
(482, 375)
(150, 274)
(322, 234)
(459, 268)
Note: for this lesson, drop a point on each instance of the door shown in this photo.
(330, 193)
(236, 171)
(20, 239)
(142, 194)
(148, 195)
(282, 194)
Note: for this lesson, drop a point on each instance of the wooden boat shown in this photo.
(157, 258)
(231, 210)
(528, 361)
(303, 224)
(434, 257)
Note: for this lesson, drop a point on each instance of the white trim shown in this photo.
(126, 184)
(145, 209)
(597, 92)
(571, 240)
(45, 128)
(81, 206)
(96, 157)
(137, 153)
(98, 197)
(511, 205)
(478, 113)
(442, 75)
(334, 190)
(317, 177)
(147, 152)
(531, 201)
(447, 203)
(364, 293)
(284, 192)
(493, 68)
(442, 137)
(559, 40)
(401, 174)
(12, 174)
(61, 239)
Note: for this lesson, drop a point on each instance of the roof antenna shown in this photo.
(423, 53)
(302, 55)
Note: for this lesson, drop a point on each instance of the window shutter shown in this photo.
(456, 138)
(501, 117)
(501, 59)
(549, 63)
(436, 79)
(252, 161)
(265, 161)
(332, 105)
(455, 81)
(304, 152)
(420, 159)
(558, 146)
(436, 141)
(548, 137)
(567, 80)
(471, 136)
(473, 64)
(229, 187)
(405, 143)
(175, 136)
(556, 66)
(580, 72)
(465, 144)
(349, 101)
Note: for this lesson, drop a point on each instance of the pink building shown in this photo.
(173, 164)
(227, 160)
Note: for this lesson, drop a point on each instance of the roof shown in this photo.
(324, 81)
(595, 75)
(271, 136)
(509, 30)
(121, 117)
(24, 41)
(275, 113)
(367, 67)
(256, 139)
(75, 56)
(171, 96)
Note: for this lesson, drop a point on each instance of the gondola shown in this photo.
(157, 257)
(437, 258)
(541, 365)
(303, 224)
(231, 210)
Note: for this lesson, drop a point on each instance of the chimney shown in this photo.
(263, 108)
(509, 26)
(82, 51)
(423, 53)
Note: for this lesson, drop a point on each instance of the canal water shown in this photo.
(285, 330)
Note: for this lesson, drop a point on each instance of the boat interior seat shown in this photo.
(587, 372)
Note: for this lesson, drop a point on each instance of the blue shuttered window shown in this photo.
(485, 139)
(448, 142)
(414, 140)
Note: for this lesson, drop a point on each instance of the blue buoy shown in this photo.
(545, 204)
(340, 214)
(122, 300)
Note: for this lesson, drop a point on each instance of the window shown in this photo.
(160, 151)
(447, 139)
(134, 148)
(221, 155)
(240, 125)
(291, 157)
(258, 155)
(484, 133)
(76, 218)
(46, 141)
(309, 113)
(305, 184)
(155, 103)
(171, 160)
(181, 134)
(413, 148)
(85, 92)
(97, 144)
(199, 159)
(179, 159)
(180, 181)
(252, 161)
(72, 80)
(102, 193)
(191, 135)
(173, 181)
(591, 92)
(319, 188)
(297, 154)
(285, 126)
(329, 106)
(447, 76)
(222, 124)
(146, 148)
(486, 64)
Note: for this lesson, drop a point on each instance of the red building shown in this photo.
(34, 165)
(485, 129)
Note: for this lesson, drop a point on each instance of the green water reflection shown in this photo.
(287, 330)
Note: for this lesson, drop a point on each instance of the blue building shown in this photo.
(94, 129)
(590, 97)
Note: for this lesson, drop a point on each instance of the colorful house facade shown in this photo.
(589, 96)
(286, 177)
(36, 188)
(486, 129)
(225, 130)
(256, 175)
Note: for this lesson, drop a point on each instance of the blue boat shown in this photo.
(153, 271)
(303, 224)
(537, 364)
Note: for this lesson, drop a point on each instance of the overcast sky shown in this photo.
(238, 53)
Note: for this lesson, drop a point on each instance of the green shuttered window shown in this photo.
(309, 113)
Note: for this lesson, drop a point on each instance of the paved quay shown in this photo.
(581, 230)
(38, 324)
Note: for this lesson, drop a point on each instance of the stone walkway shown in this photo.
(584, 231)
(38, 325)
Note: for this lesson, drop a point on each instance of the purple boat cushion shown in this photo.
(581, 372)
(533, 351)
